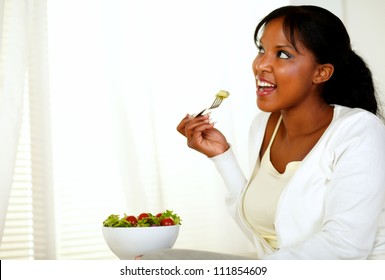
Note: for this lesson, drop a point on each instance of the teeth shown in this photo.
(264, 84)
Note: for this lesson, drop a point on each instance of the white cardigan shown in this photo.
(334, 206)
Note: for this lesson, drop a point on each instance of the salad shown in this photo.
(166, 218)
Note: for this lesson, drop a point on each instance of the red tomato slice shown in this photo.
(158, 215)
(143, 216)
(132, 220)
(167, 222)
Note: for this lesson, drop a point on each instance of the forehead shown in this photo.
(276, 32)
(273, 30)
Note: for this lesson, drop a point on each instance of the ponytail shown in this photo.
(351, 84)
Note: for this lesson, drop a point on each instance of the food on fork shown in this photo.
(219, 97)
(223, 94)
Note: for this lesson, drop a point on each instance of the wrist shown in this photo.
(219, 151)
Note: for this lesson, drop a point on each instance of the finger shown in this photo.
(198, 134)
(198, 138)
(181, 126)
(197, 125)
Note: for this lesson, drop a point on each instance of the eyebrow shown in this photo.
(278, 46)
(285, 46)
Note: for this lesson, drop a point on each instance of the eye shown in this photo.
(283, 55)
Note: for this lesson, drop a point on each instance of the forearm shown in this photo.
(228, 167)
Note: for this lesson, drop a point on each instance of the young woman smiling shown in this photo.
(289, 84)
(316, 189)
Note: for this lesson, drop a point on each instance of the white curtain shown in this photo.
(122, 74)
(13, 61)
(24, 78)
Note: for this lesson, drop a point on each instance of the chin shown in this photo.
(265, 107)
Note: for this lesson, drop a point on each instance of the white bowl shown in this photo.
(127, 243)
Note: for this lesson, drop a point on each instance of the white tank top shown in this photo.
(260, 199)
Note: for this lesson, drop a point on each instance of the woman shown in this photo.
(317, 149)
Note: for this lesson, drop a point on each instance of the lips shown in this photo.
(264, 87)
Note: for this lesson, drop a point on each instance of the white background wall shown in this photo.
(365, 22)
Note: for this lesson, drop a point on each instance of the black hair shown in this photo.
(324, 34)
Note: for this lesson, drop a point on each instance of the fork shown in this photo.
(217, 101)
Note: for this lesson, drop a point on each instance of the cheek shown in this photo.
(286, 75)
(295, 74)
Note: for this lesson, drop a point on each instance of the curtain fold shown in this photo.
(13, 63)
(24, 70)
(44, 227)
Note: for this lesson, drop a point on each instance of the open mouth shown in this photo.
(265, 87)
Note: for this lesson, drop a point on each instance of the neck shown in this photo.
(300, 123)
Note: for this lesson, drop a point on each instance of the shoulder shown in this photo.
(352, 126)
(260, 118)
(261, 124)
(256, 135)
(356, 119)
(263, 119)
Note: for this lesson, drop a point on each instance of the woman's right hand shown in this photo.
(202, 136)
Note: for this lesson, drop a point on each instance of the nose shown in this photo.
(262, 63)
